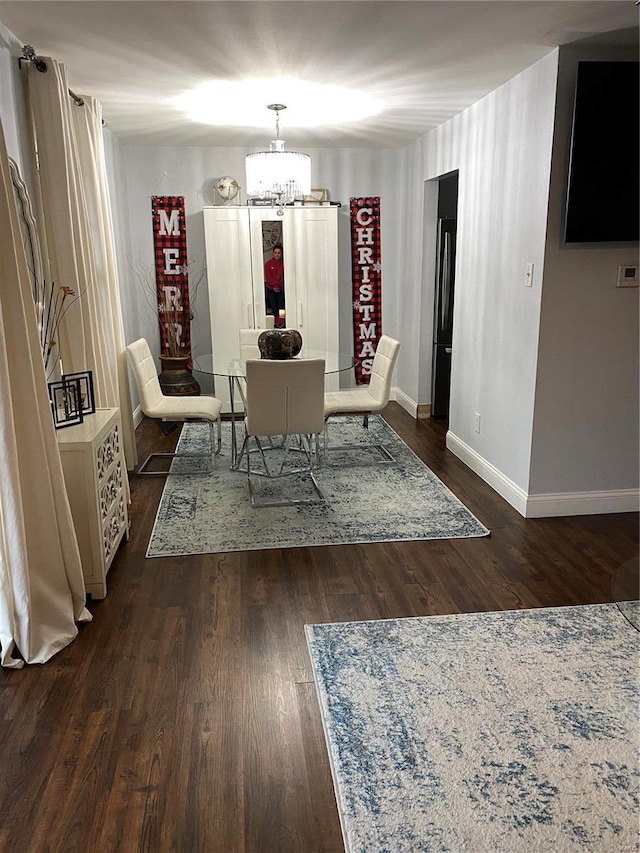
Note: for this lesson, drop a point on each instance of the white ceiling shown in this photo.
(426, 61)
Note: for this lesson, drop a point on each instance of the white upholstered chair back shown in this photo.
(285, 397)
(382, 370)
(249, 343)
(146, 376)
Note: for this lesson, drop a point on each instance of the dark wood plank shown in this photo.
(184, 717)
(327, 835)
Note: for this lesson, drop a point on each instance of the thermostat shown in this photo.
(627, 276)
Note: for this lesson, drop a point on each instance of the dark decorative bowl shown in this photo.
(279, 343)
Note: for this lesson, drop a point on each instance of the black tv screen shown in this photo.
(603, 189)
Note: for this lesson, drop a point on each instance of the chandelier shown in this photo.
(278, 174)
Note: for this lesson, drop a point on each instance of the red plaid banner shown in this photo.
(366, 276)
(172, 274)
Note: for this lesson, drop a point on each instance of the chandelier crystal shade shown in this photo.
(278, 174)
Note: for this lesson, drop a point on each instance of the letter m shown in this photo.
(367, 331)
(169, 224)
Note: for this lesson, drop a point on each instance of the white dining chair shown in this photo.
(365, 399)
(155, 404)
(249, 343)
(284, 398)
(248, 349)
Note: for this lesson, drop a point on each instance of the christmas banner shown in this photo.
(172, 274)
(366, 276)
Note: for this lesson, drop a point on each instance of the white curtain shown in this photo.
(88, 125)
(78, 238)
(42, 592)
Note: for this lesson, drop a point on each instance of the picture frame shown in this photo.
(319, 194)
(66, 402)
(87, 395)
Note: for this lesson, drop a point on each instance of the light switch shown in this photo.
(528, 275)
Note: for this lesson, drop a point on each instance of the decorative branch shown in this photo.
(164, 305)
(51, 304)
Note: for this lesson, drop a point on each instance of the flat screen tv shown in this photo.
(603, 190)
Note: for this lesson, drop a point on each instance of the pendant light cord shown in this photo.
(277, 108)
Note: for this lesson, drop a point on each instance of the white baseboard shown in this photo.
(505, 487)
(137, 416)
(583, 503)
(406, 402)
(544, 505)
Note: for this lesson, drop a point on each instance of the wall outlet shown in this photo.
(476, 422)
(627, 276)
(528, 275)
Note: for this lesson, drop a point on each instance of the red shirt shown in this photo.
(274, 274)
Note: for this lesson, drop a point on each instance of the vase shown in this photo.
(279, 343)
(176, 379)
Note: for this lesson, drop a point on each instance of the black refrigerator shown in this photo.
(443, 318)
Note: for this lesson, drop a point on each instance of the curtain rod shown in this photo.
(79, 101)
(29, 55)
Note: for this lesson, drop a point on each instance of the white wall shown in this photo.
(137, 318)
(585, 437)
(502, 148)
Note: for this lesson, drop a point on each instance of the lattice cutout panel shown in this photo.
(109, 491)
(114, 528)
(107, 452)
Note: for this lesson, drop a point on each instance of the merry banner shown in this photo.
(172, 274)
(366, 276)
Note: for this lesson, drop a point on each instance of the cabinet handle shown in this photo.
(300, 314)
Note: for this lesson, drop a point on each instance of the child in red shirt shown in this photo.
(274, 284)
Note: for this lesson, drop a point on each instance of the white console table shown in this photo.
(94, 472)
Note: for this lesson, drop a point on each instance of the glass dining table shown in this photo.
(229, 364)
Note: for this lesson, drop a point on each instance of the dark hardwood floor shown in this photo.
(184, 717)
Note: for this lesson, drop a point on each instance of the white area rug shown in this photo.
(511, 732)
(382, 503)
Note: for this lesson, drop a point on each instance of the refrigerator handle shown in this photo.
(446, 281)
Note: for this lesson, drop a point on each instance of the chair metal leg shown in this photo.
(285, 446)
(387, 457)
(214, 450)
(264, 458)
(218, 440)
(142, 472)
(243, 450)
(308, 449)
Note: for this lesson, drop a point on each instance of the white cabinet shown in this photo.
(235, 240)
(94, 475)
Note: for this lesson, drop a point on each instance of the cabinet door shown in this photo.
(226, 232)
(227, 246)
(313, 305)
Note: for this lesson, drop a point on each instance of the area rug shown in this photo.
(488, 732)
(377, 503)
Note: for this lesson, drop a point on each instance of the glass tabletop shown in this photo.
(229, 363)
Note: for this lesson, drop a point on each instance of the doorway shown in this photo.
(444, 293)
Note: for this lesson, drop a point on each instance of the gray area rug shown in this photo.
(489, 733)
(211, 514)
